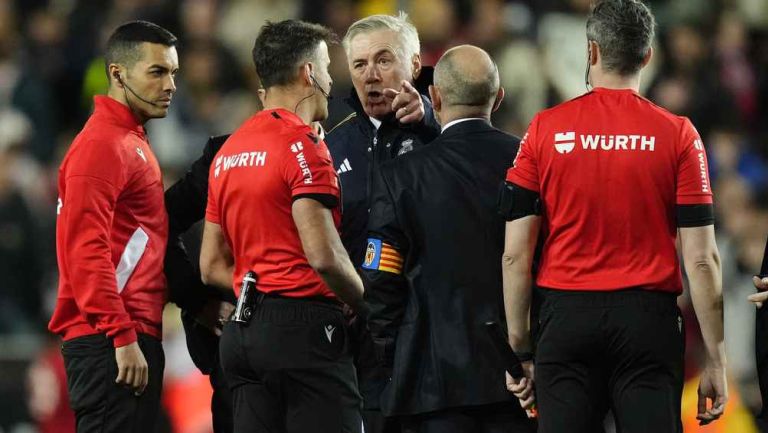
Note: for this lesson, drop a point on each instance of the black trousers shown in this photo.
(290, 369)
(101, 405)
(761, 353)
(203, 346)
(221, 402)
(491, 418)
(621, 351)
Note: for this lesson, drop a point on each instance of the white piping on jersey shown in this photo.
(134, 249)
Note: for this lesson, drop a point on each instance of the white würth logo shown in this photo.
(698, 144)
(329, 332)
(297, 147)
(565, 141)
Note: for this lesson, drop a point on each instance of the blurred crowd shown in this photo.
(710, 64)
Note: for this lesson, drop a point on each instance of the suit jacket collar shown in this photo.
(473, 125)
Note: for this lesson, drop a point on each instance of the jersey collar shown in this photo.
(116, 112)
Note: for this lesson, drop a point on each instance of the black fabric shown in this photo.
(695, 215)
(761, 354)
(517, 202)
(221, 401)
(437, 206)
(358, 149)
(290, 369)
(185, 202)
(621, 350)
(327, 200)
(492, 418)
(101, 405)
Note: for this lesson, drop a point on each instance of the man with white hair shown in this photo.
(390, 117)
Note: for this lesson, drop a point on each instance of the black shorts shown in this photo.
(620, 351)
(101, 405)
(290, 369)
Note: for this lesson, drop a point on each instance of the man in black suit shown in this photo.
(433, 261)
(204, 308)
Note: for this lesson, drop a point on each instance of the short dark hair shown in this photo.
(624, 31)
(123, 44)
(282, 46)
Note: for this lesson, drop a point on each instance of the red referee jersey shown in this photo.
(611, 167)
(264, 165)
(111, 231)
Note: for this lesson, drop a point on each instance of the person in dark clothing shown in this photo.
(203, 308)
(383, 55)
(432, 262)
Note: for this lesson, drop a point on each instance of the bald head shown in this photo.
(467, 77)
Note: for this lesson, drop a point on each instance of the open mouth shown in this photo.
(375, 97)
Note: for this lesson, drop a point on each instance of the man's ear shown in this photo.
(497, 101)
(415, 67)
(307, 73)
(434, 96)
(115, 79)
(647, 58)
(594, 53)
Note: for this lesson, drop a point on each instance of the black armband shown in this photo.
(328, 200)
(695, 215)
(516, 202)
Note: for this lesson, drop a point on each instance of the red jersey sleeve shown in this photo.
(525, 168)
(212, 207)
(307, 167)
(94, 178)
(693, 185)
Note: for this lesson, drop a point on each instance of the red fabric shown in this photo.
(270, 159)
(47, 396)
(109, 187)
(609, 206)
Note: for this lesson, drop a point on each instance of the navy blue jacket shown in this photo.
(357, 149)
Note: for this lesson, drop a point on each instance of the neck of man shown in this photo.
(611, 80)
(120, 95)
(448, 114)
(298, 101)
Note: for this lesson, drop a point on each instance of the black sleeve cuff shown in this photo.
(328, 200)
(695, 215)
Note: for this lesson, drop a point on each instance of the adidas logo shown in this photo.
(344, 167)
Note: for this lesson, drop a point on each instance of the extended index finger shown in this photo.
(390, 93)
(406, 86)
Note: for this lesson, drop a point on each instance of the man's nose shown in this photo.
(372, 73)
(170, 84)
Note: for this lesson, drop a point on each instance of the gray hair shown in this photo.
(407, 33)
(624, 31)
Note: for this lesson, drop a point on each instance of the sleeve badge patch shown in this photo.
(381, 256)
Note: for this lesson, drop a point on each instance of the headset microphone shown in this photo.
(320, 88)
(124, 84)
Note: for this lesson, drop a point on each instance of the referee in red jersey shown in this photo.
(273, 208)
(111, 232)
(609, 180)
